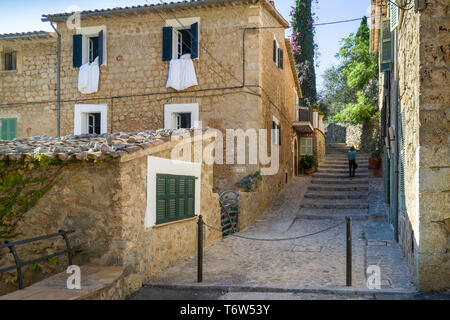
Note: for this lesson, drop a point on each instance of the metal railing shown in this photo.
(20, 264)
(348, 244)
(305, 114)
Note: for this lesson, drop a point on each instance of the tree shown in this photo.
(304, 49)
(360, 69)
(336, 93)
(360, 66)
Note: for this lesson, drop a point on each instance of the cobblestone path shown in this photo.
(305, 206)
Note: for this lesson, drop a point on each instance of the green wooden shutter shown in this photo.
(280, 58)
(167, 43)
(386, 175)
(279, 135)
(100, 48)
(275, 48)
(9, 129)
(386, 47)
(77, 50)
(175, 198)
(402, 206)
(194, 41)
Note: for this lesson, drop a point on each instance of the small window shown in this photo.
(10, 61)
(88, 45)
(306, 146)
(181, 37)
(94, 123)
(183, 120)
(175, 198)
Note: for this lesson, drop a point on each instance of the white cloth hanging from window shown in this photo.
(182, 73)
(88, 77)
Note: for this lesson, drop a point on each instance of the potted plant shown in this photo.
(375, 156)
(307, 164)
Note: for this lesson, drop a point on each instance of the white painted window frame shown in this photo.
(81, 117)
(171, 111)
(173, 167)
(181, 24)
(88, 32)
(275, 132)
(302, 146)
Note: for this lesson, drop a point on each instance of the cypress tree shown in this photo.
(304, 49)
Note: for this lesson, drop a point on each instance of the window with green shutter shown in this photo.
(8, 129)
(175, 198)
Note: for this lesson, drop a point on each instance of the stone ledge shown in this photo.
(94, 281)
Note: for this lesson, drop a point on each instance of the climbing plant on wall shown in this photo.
(22, 184)
(304, 48)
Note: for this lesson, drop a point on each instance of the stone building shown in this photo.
(242, 61)
(109, 191)
(412, 39)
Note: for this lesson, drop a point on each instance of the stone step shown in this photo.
(338, 212)
(338, 204)
(338, 188)
(344, 182)
(362, 171)
(358, 175)
(318, 214)
(336, 196)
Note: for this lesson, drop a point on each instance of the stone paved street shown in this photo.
(312, 262)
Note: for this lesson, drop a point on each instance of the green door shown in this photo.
(8, 129)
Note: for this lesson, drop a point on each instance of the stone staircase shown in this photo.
(332, 193)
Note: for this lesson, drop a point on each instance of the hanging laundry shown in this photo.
(182, 73)
(88, 77)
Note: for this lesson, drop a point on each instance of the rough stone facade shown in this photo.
(422, 62)
(23, 90)
(106, 204)
(132, 83)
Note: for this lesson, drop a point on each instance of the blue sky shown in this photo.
(25, 15)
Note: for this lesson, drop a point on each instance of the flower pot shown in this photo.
(374, 164)
(308, 171)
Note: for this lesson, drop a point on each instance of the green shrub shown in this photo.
(357, 113)
(307, 162)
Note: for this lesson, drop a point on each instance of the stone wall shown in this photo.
(434, 139)
(106, 204)
(132, 83)
(423, 55)
(33, 83)
(319, 146)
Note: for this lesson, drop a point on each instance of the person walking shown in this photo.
(352, 161)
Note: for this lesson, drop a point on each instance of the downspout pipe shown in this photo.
(58, 83)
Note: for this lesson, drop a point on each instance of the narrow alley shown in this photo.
(307, 205)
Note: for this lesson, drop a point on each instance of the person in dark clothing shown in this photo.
(352, 161)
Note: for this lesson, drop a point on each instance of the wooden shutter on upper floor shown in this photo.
(194, 40)
(275, 48)
(167, 44)
(279, 135)
(77, 50)
(386, 48)
(100, 48)
(280, 58)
